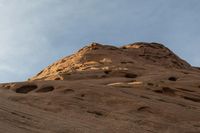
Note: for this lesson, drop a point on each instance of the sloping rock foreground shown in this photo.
(140, 88)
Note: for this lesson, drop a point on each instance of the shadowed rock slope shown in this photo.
(137, 88)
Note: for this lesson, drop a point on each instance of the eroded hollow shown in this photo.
(45, 89)
(58, 78)
(68, 91)
(131, 75)
(97, 113)
(158, 91)
(194, 99)
(145, 109)
(166, 90)
(26, 89)
(107, 71)
(150, 84)
(185, 90)
(172, 78)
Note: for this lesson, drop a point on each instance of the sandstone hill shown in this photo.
(97, 58)
(137, 88)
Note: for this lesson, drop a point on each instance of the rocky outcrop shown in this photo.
(97, 57)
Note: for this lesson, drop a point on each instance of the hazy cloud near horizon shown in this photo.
(35, 33)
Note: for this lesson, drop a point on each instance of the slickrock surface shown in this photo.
(137, 88)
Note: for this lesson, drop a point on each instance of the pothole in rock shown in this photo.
(97, 113)
(172, 78)
(150, 84)
(145, 109)
(193, 99)
(187, 90)
(67, 91)
(166, 90)
(45, 89)
(107, 71)
(131, 75)
(26, 89)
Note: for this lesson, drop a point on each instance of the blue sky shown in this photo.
(35, 33)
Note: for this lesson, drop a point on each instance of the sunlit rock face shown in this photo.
(98, 57)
